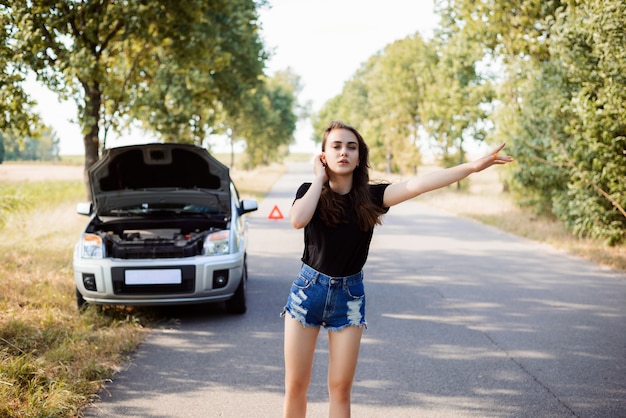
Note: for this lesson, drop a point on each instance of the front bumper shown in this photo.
(202, 279)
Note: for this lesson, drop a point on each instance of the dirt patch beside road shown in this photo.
(16, 172)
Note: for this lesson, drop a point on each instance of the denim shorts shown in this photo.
(332, 302)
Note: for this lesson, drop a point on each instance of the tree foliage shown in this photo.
(172, 65)
(509, 29)
(457, 95)
(43, 148)
(589, 42)
(562, 105)
(383, 100)
(206, 75)
(411, 89)
(16, 108)
(267, 118)
(546, 77)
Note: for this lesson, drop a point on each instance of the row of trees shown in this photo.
(544, 76)
(547, 77)
(43, 148)
(182, 70)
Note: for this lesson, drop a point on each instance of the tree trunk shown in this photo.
(389, 168)
(90, 124)
(461, 161)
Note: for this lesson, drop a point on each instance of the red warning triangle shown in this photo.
(275, 213)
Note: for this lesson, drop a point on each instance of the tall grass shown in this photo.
(52, 359)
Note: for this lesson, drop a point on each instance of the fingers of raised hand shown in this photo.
(501, 159)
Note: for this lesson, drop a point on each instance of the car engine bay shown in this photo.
(155, 240)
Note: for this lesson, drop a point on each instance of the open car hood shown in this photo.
(159, 173)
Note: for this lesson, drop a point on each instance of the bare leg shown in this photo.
(299, 349)
(343, 355)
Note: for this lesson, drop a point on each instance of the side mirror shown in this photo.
(84, 208)
(248, 205)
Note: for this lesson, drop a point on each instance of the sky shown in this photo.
(323, 41)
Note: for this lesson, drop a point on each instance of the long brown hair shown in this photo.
(332, 212)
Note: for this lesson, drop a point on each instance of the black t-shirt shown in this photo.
(341, 250)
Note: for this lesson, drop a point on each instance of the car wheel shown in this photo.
(80, 301)
(237, 304)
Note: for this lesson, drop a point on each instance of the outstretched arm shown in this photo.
(400, 192)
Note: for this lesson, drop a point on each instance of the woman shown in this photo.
(338, 211)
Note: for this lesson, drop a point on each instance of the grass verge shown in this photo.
(254, 184)
(52, 359)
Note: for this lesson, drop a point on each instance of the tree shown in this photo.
(413, 87)
(531, 113)
(351, 105)
(562, 103)
(1, 148)
(383, 100)
(171, 65)
(44, 147)
(589, 45)
(396, 93)
(508, 29)
(190, 98)
(267, 120)
(457, 96)
(16, 108)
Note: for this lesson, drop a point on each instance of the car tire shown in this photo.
(81, 303)
(237, 304)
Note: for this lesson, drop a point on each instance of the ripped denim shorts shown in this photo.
(332, 302)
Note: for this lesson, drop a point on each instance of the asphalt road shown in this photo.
(464, 321)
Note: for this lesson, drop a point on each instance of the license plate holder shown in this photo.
(138, 277)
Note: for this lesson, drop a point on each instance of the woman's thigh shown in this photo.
(343, 349)
(299, 350)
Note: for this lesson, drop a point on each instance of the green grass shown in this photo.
(72, 160)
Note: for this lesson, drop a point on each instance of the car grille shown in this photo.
(120, 287)
(156, 249)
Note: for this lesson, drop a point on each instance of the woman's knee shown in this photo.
(297, 386)
(340, 389)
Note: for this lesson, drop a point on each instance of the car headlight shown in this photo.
(216, 243)
(91, 246)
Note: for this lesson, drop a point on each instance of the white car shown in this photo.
(166, 227)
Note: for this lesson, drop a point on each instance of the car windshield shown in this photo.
(163, 209)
